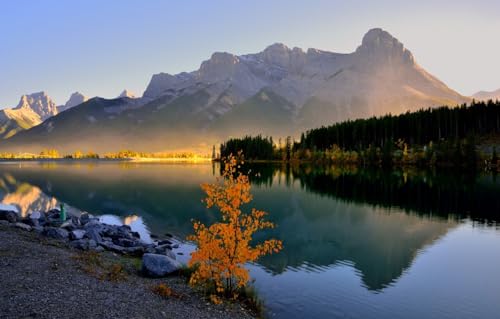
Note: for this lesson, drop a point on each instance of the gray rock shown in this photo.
(23, 226)
(125, 242)
(77, 234)
(170, 254)
(150, 249)
(35, 215)
(165, 246)
(92, 243)
(93, 233)
(154, 265)
(135, 234)
(68, 225)
(134, 251)
(112, 247)
(8, 215)
(165, 242)
(82, 244)
(98, 249)
(84, 218)
(4, 222)
(31, 222)
(94, 223)
(38, 229)
(116, 232)
(58, 233)
(76, 221)
(125, 228)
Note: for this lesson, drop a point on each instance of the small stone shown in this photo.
(77, 234)
(154, 265)
(164, 242)
(23, 226)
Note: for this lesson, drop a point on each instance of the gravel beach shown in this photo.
(45, 278)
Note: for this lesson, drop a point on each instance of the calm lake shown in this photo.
(357, 243)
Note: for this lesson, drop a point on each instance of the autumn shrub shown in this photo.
(115, 272)
(224, 247)
(165, 291)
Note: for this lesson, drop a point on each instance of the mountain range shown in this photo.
(280, 91)
(485, 95)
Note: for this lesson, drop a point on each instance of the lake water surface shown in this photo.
(357, 243)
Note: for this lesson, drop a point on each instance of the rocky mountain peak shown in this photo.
(379, 46)
(38, 102)
(75, 99)
(219, 67)
(278, 54)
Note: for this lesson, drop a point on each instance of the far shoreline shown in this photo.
(127, 160)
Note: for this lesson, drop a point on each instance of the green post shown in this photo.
(62, 213)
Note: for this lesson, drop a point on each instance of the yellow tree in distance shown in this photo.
(224, 247)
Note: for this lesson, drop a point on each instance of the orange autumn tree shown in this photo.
(224, 248)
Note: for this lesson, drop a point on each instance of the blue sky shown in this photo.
(101, 47)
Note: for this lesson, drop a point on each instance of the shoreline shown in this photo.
(45, 277)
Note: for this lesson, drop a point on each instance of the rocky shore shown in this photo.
(80, 267)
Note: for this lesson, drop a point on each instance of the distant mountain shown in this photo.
(127, 93)
(279, 91)
(75, 99)
(485, 95)
(31, 110)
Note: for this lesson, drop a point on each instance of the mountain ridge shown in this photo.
(230, 94)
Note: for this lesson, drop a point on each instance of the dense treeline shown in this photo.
(421, 127)
(253, 148)
(441, 136)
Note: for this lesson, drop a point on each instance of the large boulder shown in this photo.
(154, 265)
(9, 215)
